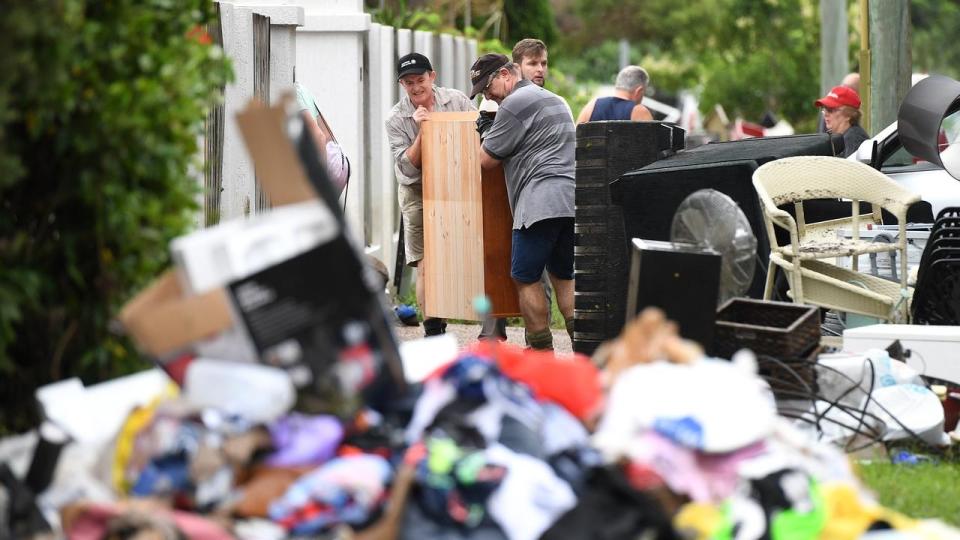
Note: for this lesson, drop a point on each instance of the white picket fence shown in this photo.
(348, 63)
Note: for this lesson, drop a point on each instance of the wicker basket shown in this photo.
(779, 329)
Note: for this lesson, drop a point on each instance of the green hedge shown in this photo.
(101, 106)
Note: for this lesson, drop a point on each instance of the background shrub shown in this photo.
(101, 107)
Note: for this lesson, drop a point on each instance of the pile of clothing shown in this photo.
(498, 443)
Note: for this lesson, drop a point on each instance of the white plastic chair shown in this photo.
(813, 281)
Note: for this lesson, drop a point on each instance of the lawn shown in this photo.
(927, 490)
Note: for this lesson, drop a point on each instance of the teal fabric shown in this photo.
(306, 100)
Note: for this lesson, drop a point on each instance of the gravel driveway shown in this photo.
(467, 333)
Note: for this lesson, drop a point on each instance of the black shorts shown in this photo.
(545, 244)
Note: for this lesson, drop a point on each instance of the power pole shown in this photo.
(834, 40)
(890, 61)
(866, 75)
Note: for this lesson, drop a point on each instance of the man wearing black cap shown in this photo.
(534, 137)
(416, 77)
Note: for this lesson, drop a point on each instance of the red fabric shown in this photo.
(569, 381)
(177, 368)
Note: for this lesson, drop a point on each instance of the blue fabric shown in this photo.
(167, 475)
(417, 525)
(347, 490)
(612, 108)
(545, 244)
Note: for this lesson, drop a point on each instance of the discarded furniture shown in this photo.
(936, 299)
(605, 150)
(784, 336)
(813, 280)
(933, 349)
(467, 223)
(681, 279)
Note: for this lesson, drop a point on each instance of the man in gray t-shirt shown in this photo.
(534, 137)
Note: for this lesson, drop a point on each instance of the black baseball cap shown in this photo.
(413, 63)
(483, 68)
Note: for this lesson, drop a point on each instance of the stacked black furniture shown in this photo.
(644, 202)
(606, 150)
(936, 297)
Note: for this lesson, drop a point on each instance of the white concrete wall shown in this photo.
(446, 62)
(238, 196)
(239, 185)
(423, 44)
(330, 52)
(382, 92)
(472, 54)
(284, 21)
(461, 65)
(404, 41)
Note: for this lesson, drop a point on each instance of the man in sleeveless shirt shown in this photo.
(624, 104)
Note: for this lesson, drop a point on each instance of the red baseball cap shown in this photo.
(839, 95)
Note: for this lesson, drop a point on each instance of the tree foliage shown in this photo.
(529, 19)
(399, 14)
(101, 106)
(936, 25)
(748, 55)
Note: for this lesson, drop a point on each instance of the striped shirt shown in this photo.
(535, 138)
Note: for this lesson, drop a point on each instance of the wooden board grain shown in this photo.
(497, 243)
(466, 222)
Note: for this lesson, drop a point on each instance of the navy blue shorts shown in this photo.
(545, 244)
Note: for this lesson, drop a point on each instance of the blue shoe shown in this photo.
(407, 314)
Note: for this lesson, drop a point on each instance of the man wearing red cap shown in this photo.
(841, 114)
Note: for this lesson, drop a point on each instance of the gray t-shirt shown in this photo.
(535, 138)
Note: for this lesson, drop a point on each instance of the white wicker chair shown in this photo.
(812, 281)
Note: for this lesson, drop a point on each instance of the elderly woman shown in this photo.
(841, 114)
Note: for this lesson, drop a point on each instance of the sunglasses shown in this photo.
(487, 87)
(493, 77)
(829, 110)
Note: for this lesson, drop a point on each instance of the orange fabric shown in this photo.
(266, 485)
(569, 381)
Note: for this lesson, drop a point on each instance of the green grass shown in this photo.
(928, 490)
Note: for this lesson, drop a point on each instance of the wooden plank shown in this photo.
(497, 243)
(452, 216)
(458, 226)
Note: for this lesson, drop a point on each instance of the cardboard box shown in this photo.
(287, 288)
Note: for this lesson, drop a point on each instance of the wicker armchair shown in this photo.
(814, 281)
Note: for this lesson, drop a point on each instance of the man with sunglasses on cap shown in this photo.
(534, 137)
(416, 77)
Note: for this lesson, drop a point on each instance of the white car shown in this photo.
(924, 158)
